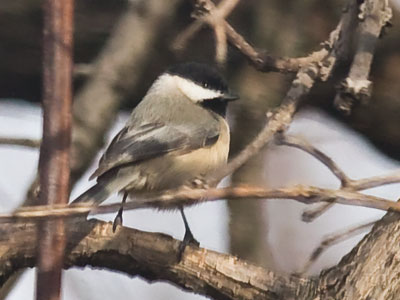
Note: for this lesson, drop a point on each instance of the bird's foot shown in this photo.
(188, 239)
(118, 219)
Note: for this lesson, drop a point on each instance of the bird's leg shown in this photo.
(118, 217)
(188, 238)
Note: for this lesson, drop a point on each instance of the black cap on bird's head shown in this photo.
(205, 76)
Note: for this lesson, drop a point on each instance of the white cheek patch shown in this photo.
(195, 92)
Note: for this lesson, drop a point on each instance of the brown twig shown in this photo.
(318, 65)
(333, 239)
(278, 121)
(183, 197)
(54, 158)
(204, 14)
(30, 143)
(373, 17)
(207, 13)
(221, 45)
(295, 142)
(311, 214)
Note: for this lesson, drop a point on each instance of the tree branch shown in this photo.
(338, 44)
(174, 199)
(373, 17)
(54, 160)
(153, 256)
(333, 239)
(295, 142)
(19, 142)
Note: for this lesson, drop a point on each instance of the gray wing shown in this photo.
(132, 145)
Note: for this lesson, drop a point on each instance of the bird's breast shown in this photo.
(204, 161)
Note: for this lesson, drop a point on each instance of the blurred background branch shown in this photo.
(54, 160)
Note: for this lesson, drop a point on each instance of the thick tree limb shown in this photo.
(153, 256)
(370, 271)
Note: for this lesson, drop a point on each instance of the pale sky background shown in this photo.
(291, 240)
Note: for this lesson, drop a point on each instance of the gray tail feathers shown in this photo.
(95, 195)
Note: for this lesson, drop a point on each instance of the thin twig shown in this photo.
(174, 199)
(207, 13)
(372, 182)
(204, 14)
(333, 239)
(221, 45)
(309, 215)
(20, 142)
(279, 121)
(295, 142)
(318, 65)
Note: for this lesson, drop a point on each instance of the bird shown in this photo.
(177, 133)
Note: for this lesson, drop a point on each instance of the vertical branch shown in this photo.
(54, 160)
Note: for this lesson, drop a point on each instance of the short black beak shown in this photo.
(229, 96)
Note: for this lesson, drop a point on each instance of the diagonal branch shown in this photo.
(295, 142)
(291, 141)
(278, 121)
(333, 239)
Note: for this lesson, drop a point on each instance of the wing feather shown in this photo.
(132, 145)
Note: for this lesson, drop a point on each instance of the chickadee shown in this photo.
(176, 134)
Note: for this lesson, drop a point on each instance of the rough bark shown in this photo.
(153, 256)
(370, 271)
